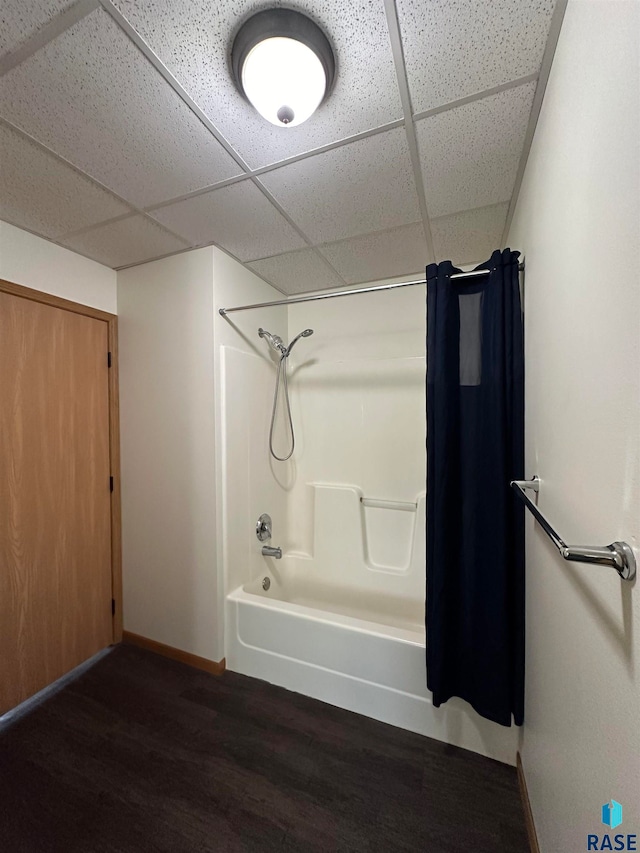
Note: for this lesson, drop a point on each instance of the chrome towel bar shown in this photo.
(619, 555)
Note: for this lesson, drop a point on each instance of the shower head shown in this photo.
(274, 341)
(304, 334)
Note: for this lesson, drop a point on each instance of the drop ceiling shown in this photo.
(123, 138)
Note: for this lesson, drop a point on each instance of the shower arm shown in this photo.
(618, 555)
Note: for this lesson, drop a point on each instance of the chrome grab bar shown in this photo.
(406, 506)
(619, 555)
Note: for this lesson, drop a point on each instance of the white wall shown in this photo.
(578, 222)
(167, 421)
(33, 262)
(248, 482)
(192, 385)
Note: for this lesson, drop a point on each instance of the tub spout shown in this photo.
(268, 551)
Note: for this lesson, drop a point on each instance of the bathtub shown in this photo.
(356, 649)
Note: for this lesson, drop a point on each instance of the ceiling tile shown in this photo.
(192, 38)
(456, 48)
(470, 155)
(364, 186)
(127, 241)
(91, 96)
(239, 218)
(297, 272)
(471, 236)
(40, 193)
(19, 20)
(373, 257)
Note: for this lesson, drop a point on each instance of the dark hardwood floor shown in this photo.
(146, 754)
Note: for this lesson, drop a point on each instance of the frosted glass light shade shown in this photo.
(284, 80)
(283, 64)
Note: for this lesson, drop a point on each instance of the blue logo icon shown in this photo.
(612, 814)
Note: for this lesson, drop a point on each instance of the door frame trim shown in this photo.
(114, 428)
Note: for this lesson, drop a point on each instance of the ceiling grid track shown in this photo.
(279, 164)
(177, 87)
(132, 207)
(50, 31)
(340, 143)
(310, 244)
(77, 11)
(55, 242)
(477, 96)
(405, 98)
(150, 55)
(182, 252)
(78, 232)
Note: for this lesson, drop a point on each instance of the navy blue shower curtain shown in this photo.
(475, 524)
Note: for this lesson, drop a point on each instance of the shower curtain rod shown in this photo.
(224, 311)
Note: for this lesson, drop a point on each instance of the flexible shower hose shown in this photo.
(281, 376)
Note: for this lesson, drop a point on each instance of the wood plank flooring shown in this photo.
(146, 754)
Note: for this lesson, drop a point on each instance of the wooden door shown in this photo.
(55, 501)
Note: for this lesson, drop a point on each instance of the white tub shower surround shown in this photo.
(343, 617)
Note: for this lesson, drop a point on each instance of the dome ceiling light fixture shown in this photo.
(283, 64)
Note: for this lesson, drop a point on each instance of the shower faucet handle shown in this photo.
(264, 527)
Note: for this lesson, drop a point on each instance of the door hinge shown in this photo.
(110, 484)
(108, 359)
(113, 607)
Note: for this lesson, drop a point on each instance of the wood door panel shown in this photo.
(55, 516)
